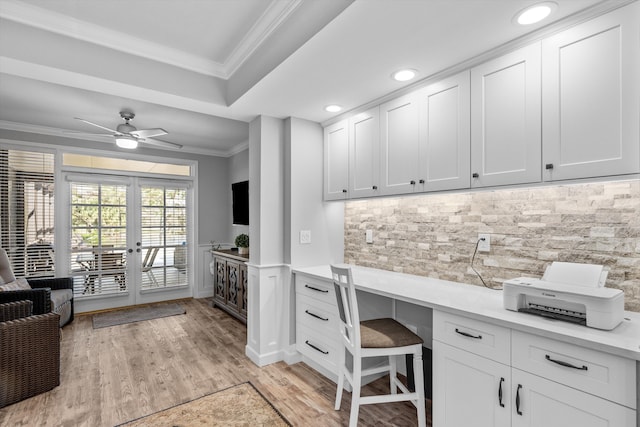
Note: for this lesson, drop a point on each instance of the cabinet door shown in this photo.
(542, 403)
(233, 285)
(336, 161)
(400, 143)
(505, 119)
(242, 293)
(220, 281)
(590, 99)
(364, 154)
(469, 390)
(444, 134)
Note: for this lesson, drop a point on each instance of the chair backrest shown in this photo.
(6, 273)
(347, 306)
(149, 258)
(110, 260)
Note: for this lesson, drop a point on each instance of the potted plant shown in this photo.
(242, 242)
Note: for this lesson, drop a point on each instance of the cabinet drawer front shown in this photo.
(319, 348)
(483, 339)
(317, 316)
(605, 375)
(321, 290)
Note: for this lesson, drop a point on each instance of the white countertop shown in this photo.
(486, 304)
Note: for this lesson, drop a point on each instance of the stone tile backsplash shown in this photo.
(435, 234)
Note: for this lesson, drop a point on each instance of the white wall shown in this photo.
(304, 207)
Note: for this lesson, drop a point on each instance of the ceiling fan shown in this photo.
(127, 136)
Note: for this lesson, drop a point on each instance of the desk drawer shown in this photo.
(601, 374)
(317, 316)
(321, 290)
(484, 339)
(321, 349)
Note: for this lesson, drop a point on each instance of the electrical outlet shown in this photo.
(485, 242)
(305, 237)
(369, 236)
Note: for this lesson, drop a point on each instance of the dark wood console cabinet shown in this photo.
(230, 283)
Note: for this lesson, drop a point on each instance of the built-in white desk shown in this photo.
(615, 353)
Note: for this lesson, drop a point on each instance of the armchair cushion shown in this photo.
(16, 285)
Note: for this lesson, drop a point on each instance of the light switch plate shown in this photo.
(484, 245)
(369, 236)
(305, 237)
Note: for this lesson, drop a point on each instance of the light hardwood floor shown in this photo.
(115, 374)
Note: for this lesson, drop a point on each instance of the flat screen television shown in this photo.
(240, 195)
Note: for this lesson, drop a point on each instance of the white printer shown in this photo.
(568, 291)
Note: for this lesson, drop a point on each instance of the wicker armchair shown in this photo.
(47, 294)
(29, 352)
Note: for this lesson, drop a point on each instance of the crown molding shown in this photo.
(276, 14)
(34, 16)
(64, 133)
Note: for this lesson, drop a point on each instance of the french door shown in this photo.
(129, 239)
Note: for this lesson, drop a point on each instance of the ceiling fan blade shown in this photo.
(161, 143)
(72, 132)
(149, 133)
(93, 124)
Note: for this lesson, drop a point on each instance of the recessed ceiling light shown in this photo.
(535, 13)
(404, 75)
(333, 108)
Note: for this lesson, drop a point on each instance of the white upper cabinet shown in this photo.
(506, 119)
(336, 161)
(364, 154)
(591, 98)
(444, 134)
(400, 145)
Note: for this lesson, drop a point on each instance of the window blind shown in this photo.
(27, 230)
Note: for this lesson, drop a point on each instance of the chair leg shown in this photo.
(340, 380)
(355, 394)
(418, 380)
(393, 374)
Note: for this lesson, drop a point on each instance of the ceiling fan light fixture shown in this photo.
(535, 13)
(125, 141)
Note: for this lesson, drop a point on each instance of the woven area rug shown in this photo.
(239, 405)
(120, 317)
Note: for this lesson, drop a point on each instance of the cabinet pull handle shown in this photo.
(412, 182)
(475, 175)
(326, 319)
(548, 166)
(518, 400)
(467, 334)
(344, 190)
(421, 181)
(375, 187)
(565, 364)
(324, 291)
(315, 348)
(500, 393)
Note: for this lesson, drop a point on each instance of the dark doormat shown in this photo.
(137, 314)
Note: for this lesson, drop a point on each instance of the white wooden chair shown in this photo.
(371, 338)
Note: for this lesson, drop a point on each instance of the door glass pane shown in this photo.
(164, 236)
(98, 238)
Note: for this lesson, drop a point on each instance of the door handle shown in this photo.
(467, 334)
(500, 393)
(518, 400)
(565, 364)
(130, 250)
